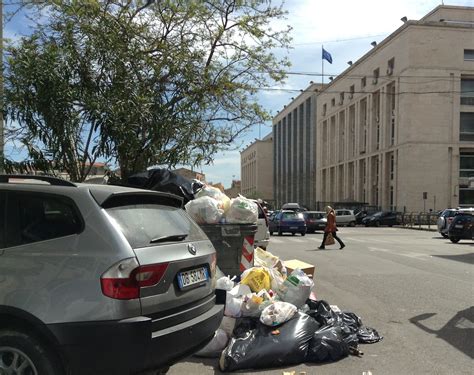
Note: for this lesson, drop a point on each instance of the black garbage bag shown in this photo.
(368, 335)
(322, 312)
(161, 179)
(266, 347)
(352, 329)
(327, 345)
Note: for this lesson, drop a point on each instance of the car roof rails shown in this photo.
(5, 178)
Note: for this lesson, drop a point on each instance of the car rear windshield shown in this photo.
(141, 223)
(315, 215)
(292, 215)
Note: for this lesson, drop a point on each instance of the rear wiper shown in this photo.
(173, 237)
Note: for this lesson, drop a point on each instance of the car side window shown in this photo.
(41, 217)
(3, 218)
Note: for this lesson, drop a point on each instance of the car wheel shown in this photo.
(352, 224)
(271, 233)
(280, 232)
(293, 233)
(21, 353)
(454, 239)
(444, 235)
(377, 223)
(303, 233)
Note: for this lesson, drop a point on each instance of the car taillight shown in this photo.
(124, 279)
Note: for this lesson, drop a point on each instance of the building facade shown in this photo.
(294, 150)
(256, 169)
(396, 129)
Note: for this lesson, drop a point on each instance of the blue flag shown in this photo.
(327, 56)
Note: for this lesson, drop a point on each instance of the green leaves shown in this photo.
(144, 83)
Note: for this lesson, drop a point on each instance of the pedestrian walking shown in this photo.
(331, 228)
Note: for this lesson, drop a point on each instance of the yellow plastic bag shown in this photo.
(257, 278)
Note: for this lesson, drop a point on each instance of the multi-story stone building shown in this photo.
(256, 169)
(395, 129)
(294, 150)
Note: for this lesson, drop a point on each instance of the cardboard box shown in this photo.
(307, 268)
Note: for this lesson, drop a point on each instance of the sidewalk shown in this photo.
(430, 228)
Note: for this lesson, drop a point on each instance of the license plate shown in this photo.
(293, 227)
(192, 277)
(458, 226)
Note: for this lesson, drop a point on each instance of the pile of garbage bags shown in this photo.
(273, 319)
(211, 206)
(204, 203)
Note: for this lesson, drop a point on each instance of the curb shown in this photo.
(418, 228)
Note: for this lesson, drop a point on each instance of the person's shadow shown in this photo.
(458, 331)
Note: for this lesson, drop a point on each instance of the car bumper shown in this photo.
(130, 346)
(292, 229)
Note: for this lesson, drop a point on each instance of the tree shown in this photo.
(162, 82)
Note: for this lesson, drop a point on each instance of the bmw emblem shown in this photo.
(192, 249)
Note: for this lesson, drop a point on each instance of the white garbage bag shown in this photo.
(215, 346)
(242, 210)
(277, 313)
(204, 210)
(213, 192)
(296, 288)
(224, 283)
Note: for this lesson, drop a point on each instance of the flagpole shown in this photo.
(322, 64)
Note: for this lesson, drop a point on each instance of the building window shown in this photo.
(351, 91)
(466, 132)
(466, 173)
(466, 165)
(390, 66)
(467, 91)
(325, 107)
(341, 98)
(469, 55)
(363, 82)
(376, 76)
(333, 102)
(392, 167)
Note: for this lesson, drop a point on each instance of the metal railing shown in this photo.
(418, 219)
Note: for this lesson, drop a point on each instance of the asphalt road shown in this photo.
(414, 287)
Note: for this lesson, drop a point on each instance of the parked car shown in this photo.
(100, 279)
(345, 217)
(262, 237)
(444, 221)
(461, 227)
(288, 222)
(360, 214)
(381, 218)
(291, 206)
(446, 217)
(315, 220)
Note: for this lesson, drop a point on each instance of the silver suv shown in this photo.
(99, 279)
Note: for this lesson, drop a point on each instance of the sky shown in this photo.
(345, 28)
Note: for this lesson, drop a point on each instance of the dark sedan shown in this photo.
(315, 220)
(381, 218)
(288, 222)
(461, 227)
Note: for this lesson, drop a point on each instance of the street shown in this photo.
(415, 287)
